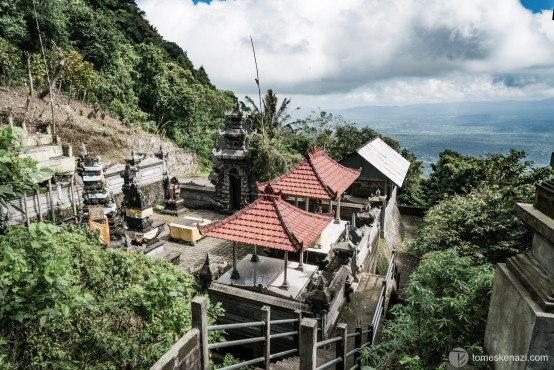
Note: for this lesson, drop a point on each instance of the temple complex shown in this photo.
(231, 164)
(95, 190)
(140, 230)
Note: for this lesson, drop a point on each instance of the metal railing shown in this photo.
(306, 350)
(383, 295)
(266, 324)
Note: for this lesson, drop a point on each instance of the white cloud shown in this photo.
(354, 52)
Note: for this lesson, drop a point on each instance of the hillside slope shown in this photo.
(75, 124)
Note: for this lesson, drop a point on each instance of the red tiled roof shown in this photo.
(270, 222)
(317, 176)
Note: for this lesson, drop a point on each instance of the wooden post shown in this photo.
(358, 343)
(235, 274)
(266, 317)
(26, 210)
(285, 285)
(308, 343)
(330, 206)
(255, 257)
(300, 266)
(320, 206)
(296, 202)
(200, 322)
(37, 197)
(73, 197)
(298, 314)
(307, 204)
(342, 346)
(370, 334)
(52, 211)
(338, 209)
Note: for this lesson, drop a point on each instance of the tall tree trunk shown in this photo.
(30, 76)
(52, 84)
(46, 70)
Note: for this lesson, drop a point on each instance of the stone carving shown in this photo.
(95, 190)
(231, 163)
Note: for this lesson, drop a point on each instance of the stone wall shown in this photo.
(180, 162)
(184, 355)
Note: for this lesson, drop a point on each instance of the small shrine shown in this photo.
(174, 204)
(231, 164)
(141, 232)
(270, 222)
(95, 191)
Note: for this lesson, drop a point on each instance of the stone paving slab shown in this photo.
(193, 256)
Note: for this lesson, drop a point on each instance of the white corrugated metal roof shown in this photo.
(388, 161)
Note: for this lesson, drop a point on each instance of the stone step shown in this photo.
(40, 153)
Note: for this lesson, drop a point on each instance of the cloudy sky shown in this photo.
(338, 54)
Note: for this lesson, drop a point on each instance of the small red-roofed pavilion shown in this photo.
(270, 222)
(318, 177)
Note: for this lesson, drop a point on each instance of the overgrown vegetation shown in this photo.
(446, 307)
(67, 302)
(472, 227)
(111, 56)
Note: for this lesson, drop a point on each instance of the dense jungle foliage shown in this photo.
(111, 56)
(471, 228)
(65, 301)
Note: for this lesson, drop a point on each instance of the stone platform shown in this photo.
(269, 273)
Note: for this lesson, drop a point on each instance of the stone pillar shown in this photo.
(200, 322)
(521, 311)
(308, 342)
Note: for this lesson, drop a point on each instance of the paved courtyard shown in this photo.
(193, 257)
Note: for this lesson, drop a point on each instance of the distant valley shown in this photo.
(469, 128)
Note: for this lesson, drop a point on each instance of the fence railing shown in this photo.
(304, 333)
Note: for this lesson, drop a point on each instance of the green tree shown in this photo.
(275, 116)
(18, 174)
(446, 307)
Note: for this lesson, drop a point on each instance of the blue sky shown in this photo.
(338, 54)
(535, 5)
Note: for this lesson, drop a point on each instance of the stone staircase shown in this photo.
(293, 363)
(47, 150)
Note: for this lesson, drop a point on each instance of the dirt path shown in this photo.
(405, 262)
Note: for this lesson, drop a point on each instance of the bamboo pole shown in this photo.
(73, 197)
(52, 211)
(37, 196)
(26, 210)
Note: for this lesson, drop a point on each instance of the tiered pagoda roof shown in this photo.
(271, 222)
(317, 176)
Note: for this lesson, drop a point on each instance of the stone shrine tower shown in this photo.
(231, 163)
(521, 312)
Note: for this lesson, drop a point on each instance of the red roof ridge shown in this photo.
(295, 242)
(332, 194)
(208, 227)
(320, 152)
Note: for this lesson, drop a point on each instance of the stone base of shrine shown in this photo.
(267, 275)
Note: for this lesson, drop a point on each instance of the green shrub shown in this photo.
(66, 301)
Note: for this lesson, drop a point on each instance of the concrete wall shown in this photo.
(184, 355)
